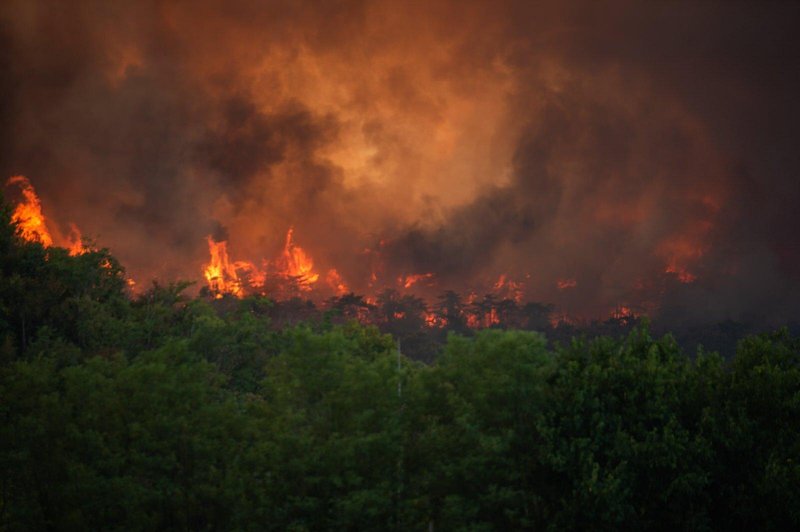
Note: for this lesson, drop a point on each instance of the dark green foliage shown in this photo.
(163, 412)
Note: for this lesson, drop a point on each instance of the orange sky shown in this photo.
(637, 150)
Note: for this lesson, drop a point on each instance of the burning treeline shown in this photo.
(408, 298)
(32, 224)
(292, 275)
(293, 270)
(586, 156)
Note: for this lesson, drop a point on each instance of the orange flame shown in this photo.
(508, 288)
(475, 321)
(564, 284)
(492, 318)
(28, 214)
(220, 272)
(623, 312)
(410, 280)
(683, 274)
(500, 282)
(681, 252)
(75, 241)
(225, 276)
(297, 264)
(433, 320)
(336, 282)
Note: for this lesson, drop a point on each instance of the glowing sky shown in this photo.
(644, 152)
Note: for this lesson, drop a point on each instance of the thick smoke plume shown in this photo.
(638, 154)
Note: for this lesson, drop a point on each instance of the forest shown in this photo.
(161, 411)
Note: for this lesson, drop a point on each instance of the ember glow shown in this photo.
(623, 312)
(552, 152)
(564, 284)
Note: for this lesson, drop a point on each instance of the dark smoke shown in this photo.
(566, 140)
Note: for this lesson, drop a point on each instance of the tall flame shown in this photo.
(220, 272)
(75, 244)
(297, 264)
(225, 276)
(28, 213)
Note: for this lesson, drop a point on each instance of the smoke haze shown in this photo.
(638, 154)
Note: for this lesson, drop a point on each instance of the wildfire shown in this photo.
(336, 282)
(225, 276)
(508, 288)
(492, 318)
(485, 320)
(559, 319)
(410, 280)
(682, 273)
(28, 213)
(75, 244)
(433, 320)
(564, 284)
(220, 272)
(622, 312)
(297, 264)
(32, 223)
(682, 251)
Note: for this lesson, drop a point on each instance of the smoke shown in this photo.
(645, 151)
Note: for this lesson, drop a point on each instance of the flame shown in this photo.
(75, 241)
(28, 214)
(433, 320)
(32, 223)
(623, 312)
(297, 264)
(256, 277)
(220, 272)
(564, 284)
(492, 318)
(681, 251)
(476, 321)
(410, 280)
(336, 282)
(682, 273)
(225, 276)
(508, 288)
